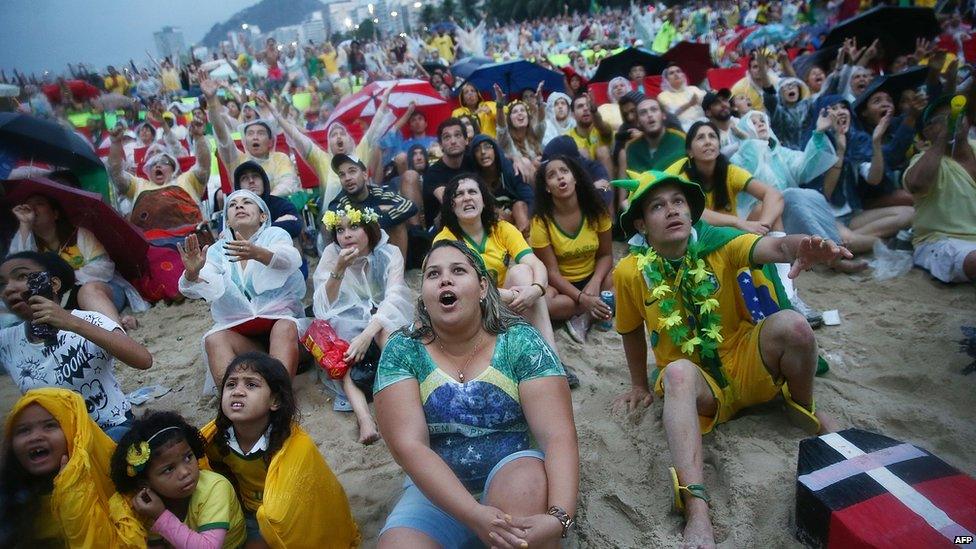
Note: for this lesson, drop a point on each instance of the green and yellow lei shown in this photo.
(689, 281)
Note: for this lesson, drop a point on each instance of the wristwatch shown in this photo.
(563, 517)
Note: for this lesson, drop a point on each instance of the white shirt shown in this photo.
(260, 446)
(73, 362)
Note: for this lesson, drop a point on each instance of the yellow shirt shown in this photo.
(589, 144)
(329, 61)
(186, 181)
(948, 209)
(213, 506)
(635, 304)
(117, 84)
(736, 181)
(501, 247)
(249, 473)
(486, 121)
(575, 252)
(279, 168)
(445, 45)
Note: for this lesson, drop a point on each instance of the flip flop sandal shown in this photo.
(695, 490)
(801, 416)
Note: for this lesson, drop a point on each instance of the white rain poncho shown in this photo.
(237, 293)
(778, 166)
(555, 128)
(372, 287)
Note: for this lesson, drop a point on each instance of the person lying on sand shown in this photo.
(714, 357)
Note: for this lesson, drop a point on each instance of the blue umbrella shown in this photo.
(515, 76)
(769, 35)
(463, 67)
(445, 26)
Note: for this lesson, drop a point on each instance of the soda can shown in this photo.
(607, 297)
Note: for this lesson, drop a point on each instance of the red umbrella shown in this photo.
(737, 39)
(82, 91)
(124, 242)
(363, 104)
(693, 57)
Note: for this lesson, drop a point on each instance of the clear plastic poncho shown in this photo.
(776, 165)
(372, 287)
(238, 293)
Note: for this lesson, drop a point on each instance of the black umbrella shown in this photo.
(31, 137)
(896, 28)
(620, 64)
(820, 58)
(894, 84)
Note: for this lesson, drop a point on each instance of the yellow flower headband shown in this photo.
(137, 456)
(352, 215)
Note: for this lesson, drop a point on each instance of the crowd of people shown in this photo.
(255, 194)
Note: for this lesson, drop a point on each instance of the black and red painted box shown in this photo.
(859, 489)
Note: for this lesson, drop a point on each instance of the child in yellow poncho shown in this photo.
(54, 484)
(290, 496)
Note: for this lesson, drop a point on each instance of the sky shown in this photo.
(38, 35)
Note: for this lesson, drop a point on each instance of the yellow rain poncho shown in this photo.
(83, 503)
(304, 505)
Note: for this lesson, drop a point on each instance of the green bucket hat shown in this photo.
(641, 183)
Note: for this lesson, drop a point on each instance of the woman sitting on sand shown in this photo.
(359, 289)
(431, 387)
(44, 227)
(571, 235)
(253, 281)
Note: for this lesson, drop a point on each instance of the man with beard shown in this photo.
(393, 209)
(659, 147)
(257, 137)
(592, 135)
(719, 112)
(454, 143)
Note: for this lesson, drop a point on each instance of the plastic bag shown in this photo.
(327, 348)
(888, 263)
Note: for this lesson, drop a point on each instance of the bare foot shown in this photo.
(368, 433)
(849, 266)
(698, 531)
(129, 322)
(827, 423)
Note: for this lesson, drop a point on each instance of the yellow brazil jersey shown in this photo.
(736, 181)
(501, 247)
(589, 144)
(277, 165)
(575, 251)
(249, 473)
(213, 506)
(635, 304)
(186, 181)
(486, 121)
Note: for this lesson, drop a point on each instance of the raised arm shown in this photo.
(201, 149)
(302, 143)
(876, 172)
(225, 145)
(116, 157)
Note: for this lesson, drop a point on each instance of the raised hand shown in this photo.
(814, 250)
(24, 214)
(879, 131)
(194, 257)
(825, 121)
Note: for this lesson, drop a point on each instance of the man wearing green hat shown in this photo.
(942, 180)
(718, 350)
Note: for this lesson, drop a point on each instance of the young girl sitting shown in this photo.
(290, 496)
(252, 280)
(156, 465)
(359, 289)
(54, 485)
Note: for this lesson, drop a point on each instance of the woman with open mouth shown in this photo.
(252, 279)
(505, 474)
(54, 485)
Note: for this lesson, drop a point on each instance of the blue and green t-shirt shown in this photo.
(473, 425)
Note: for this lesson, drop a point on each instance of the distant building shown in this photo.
(169, 42)
(287, 35)
(314, 29)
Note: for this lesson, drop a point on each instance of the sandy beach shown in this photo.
(895, 369)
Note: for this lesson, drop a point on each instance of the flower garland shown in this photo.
(692, 283)
(355, 217)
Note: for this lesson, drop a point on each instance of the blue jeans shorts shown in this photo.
(415, 511)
